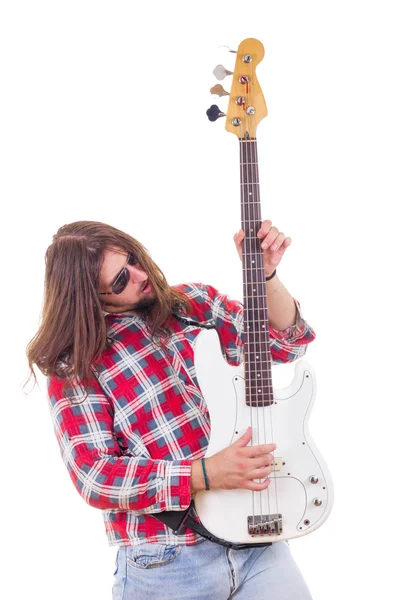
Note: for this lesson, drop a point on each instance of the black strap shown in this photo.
(187, 321)
(177, 520)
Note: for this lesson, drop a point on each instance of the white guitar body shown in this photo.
(299, 505)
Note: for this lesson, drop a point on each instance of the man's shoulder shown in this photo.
(193, 289)
(188, 287)
(198, 295)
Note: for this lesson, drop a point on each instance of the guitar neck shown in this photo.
(258, 362)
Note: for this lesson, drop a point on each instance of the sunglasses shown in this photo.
(122, 279)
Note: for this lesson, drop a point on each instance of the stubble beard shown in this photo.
(143, 306)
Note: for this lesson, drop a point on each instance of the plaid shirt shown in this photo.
(129, 445)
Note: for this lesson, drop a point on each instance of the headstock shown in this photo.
(246, 105)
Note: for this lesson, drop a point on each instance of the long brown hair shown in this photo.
(73, 331)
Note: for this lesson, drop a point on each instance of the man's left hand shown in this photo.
(273, 242)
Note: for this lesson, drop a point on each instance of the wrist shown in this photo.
(270, 274)
(197, 483)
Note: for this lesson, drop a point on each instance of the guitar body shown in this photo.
(290, 497)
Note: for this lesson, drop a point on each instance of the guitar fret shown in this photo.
(258, 331)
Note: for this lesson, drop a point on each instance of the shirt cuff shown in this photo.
(176, 492)
(293, 332)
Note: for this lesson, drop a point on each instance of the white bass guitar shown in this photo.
(300, 496)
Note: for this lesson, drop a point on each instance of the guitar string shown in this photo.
(255, 221)
(248, 214)
(256, 216)
(269, 372)
(257, 302)
(259, 308)
(253, 218)
(254, 272)
(247, 376)
(270, 385)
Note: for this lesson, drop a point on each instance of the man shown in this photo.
(117, 342)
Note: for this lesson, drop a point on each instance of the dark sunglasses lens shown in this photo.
(121, 283)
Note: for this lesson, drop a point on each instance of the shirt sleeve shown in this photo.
(227, 315)
(100, 472)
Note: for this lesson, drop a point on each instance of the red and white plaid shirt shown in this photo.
(129, 445)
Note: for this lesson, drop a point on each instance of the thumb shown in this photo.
(239, 236)
(244, 439)
(238, 239)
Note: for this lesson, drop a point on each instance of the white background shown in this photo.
(103, 118)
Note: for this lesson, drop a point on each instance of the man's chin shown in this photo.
(145, 304)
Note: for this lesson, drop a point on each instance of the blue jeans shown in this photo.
(207, 571)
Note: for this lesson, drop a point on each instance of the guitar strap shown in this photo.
(177, 520)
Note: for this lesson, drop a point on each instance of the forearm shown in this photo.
(131, 483)
(281, 305)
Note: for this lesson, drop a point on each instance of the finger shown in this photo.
(244, 439)
(286, 243)
(256, 486)
(262, 461)
(278, 242)
(270, 238)
(254, 451)
(264, 229)
(260, 473)
(238, 237)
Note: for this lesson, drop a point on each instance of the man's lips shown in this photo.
(146, 287)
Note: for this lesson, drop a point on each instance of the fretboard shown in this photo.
(257, 355)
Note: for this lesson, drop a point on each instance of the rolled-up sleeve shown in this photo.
(291, 343)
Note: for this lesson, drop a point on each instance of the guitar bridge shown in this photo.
(264, 524)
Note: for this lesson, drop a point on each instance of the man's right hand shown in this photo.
(236, 467)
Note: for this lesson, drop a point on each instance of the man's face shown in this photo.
(133, 298)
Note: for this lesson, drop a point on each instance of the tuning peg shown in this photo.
(213, 113)
(233, 51)
(218, 90)
(220, 72)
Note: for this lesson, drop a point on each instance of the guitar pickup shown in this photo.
(277, 463)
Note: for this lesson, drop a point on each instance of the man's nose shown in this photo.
(137, 274)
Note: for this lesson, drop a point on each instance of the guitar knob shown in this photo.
(314, 479)
(317, 501)
(213, 113)
(220, 72)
